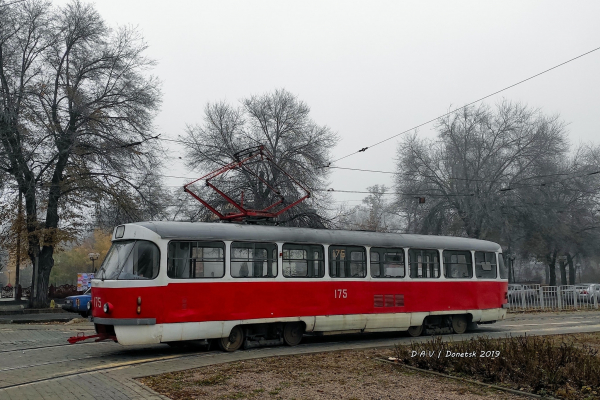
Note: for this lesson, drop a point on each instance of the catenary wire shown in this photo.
(362, 150)
(567, 174)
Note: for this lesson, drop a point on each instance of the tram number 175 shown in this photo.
(340, 293)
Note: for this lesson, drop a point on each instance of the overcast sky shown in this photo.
(369, 69)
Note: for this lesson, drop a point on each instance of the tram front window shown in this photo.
(131, 259)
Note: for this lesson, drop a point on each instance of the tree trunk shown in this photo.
(552, 268)
(551, 258)
(571, 269)
(512, 268)
(42, 278)
(19, 231)
(563, 272)
(46, 261)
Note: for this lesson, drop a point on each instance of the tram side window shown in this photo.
(142, 263)
(347, 262)
(458, 264)
(424, 263)
(196, 260)
(387, 263)
(303, 261)
(253, 260)
(485, 265)
(503, 269)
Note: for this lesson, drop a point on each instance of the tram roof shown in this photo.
(229, 231)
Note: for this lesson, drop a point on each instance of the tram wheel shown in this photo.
(234, 341)
(415, 331)
(459, 323)
(292, 333)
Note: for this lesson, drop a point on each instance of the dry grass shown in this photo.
(340, 375)
(591, 339)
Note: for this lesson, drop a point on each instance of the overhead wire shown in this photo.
(363, 149)
(567, 175)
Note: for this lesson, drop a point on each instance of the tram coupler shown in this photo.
(99, 337)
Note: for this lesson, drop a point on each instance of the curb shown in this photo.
(478, 383)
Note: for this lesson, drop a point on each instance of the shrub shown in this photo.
(534, 363)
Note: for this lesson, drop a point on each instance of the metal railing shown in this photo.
(567, 297)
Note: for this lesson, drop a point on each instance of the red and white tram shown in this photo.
(164, 282)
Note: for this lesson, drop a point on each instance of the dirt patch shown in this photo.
(341, 375)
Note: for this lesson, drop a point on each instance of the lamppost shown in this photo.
(93, 257)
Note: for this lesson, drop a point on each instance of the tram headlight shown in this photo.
(77, 302)
(107, 308)
(119, 231)
(89, 305)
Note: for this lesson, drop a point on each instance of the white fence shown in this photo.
(536, 297)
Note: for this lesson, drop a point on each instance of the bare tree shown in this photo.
(376, 213)
(478, 155)
(504, 175)
(558, 212)
(76, 116)
(281, 123)
(142, 198)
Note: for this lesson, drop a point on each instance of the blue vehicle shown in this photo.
(79, 303)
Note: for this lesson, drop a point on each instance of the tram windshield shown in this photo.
(130, 259)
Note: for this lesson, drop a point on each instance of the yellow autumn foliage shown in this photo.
(75, 260)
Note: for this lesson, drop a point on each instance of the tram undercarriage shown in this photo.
(249, 335)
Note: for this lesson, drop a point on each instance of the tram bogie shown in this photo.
(245, 286)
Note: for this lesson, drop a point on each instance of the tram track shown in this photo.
(89, 357)
(160, 356)
(313, 344)
(113, 366)
(47, 347)
(47, 363)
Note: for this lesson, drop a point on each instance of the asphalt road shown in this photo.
(37, 362)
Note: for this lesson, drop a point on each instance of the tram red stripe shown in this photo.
(222, 301)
